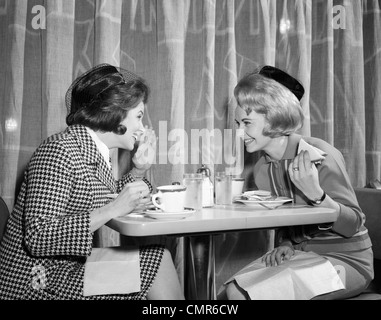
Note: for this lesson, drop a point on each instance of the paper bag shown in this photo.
(305, 276)
(112, 271)
(317, 155)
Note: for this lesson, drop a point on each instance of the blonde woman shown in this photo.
(308, 170)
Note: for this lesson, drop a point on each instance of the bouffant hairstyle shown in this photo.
(102, 97)
(279, 105)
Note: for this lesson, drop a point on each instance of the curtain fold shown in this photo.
(322, 96)
(107, 21)
(349, 95)
(372, 70)
(172, 22)
(56, 59)
(13, 151)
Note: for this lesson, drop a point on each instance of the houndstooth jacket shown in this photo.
(48, 233)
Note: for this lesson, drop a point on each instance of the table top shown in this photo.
(222, 218)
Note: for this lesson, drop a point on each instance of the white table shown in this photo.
(198, 231)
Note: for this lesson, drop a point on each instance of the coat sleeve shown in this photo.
(56, 212)
(128, 178)
(335, 181)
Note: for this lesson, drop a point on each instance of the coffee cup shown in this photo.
(170, 198)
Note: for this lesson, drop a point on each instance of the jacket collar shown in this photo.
(291, 149)
(87, 145)
(92, 156)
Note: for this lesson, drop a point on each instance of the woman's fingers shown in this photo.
(148, 137)
(305, 160)
(288, 255)
(136, 190)
(270, 258)
(277, 256)
(145, 155)
(152, 137)
(301, 164)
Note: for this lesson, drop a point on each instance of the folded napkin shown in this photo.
(304, 276)
(113, 270)
(317, 155)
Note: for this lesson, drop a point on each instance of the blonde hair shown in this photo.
(280, 107)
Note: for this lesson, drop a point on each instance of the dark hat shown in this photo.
(285, 79)
(108, 76)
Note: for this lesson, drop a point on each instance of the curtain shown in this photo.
(192, 53)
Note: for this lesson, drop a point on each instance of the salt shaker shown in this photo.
(207, 187)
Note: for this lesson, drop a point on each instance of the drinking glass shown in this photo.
(193, 193)
(223, 188)
(237, 186)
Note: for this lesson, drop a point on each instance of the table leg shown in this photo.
(199, 271)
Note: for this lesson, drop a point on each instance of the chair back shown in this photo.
(370, 203)
(4, 214)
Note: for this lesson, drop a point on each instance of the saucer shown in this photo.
(156, 213)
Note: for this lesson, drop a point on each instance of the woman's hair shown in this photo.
(280, 107)
(102, 97)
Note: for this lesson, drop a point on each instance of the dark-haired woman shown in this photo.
(311, 172)
(47, 251)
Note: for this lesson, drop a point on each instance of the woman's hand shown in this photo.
(133, 194)
(304, 175)
(278, 255)
(146, 152)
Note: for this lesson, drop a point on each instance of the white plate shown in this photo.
(160, 215)
(269, 204)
